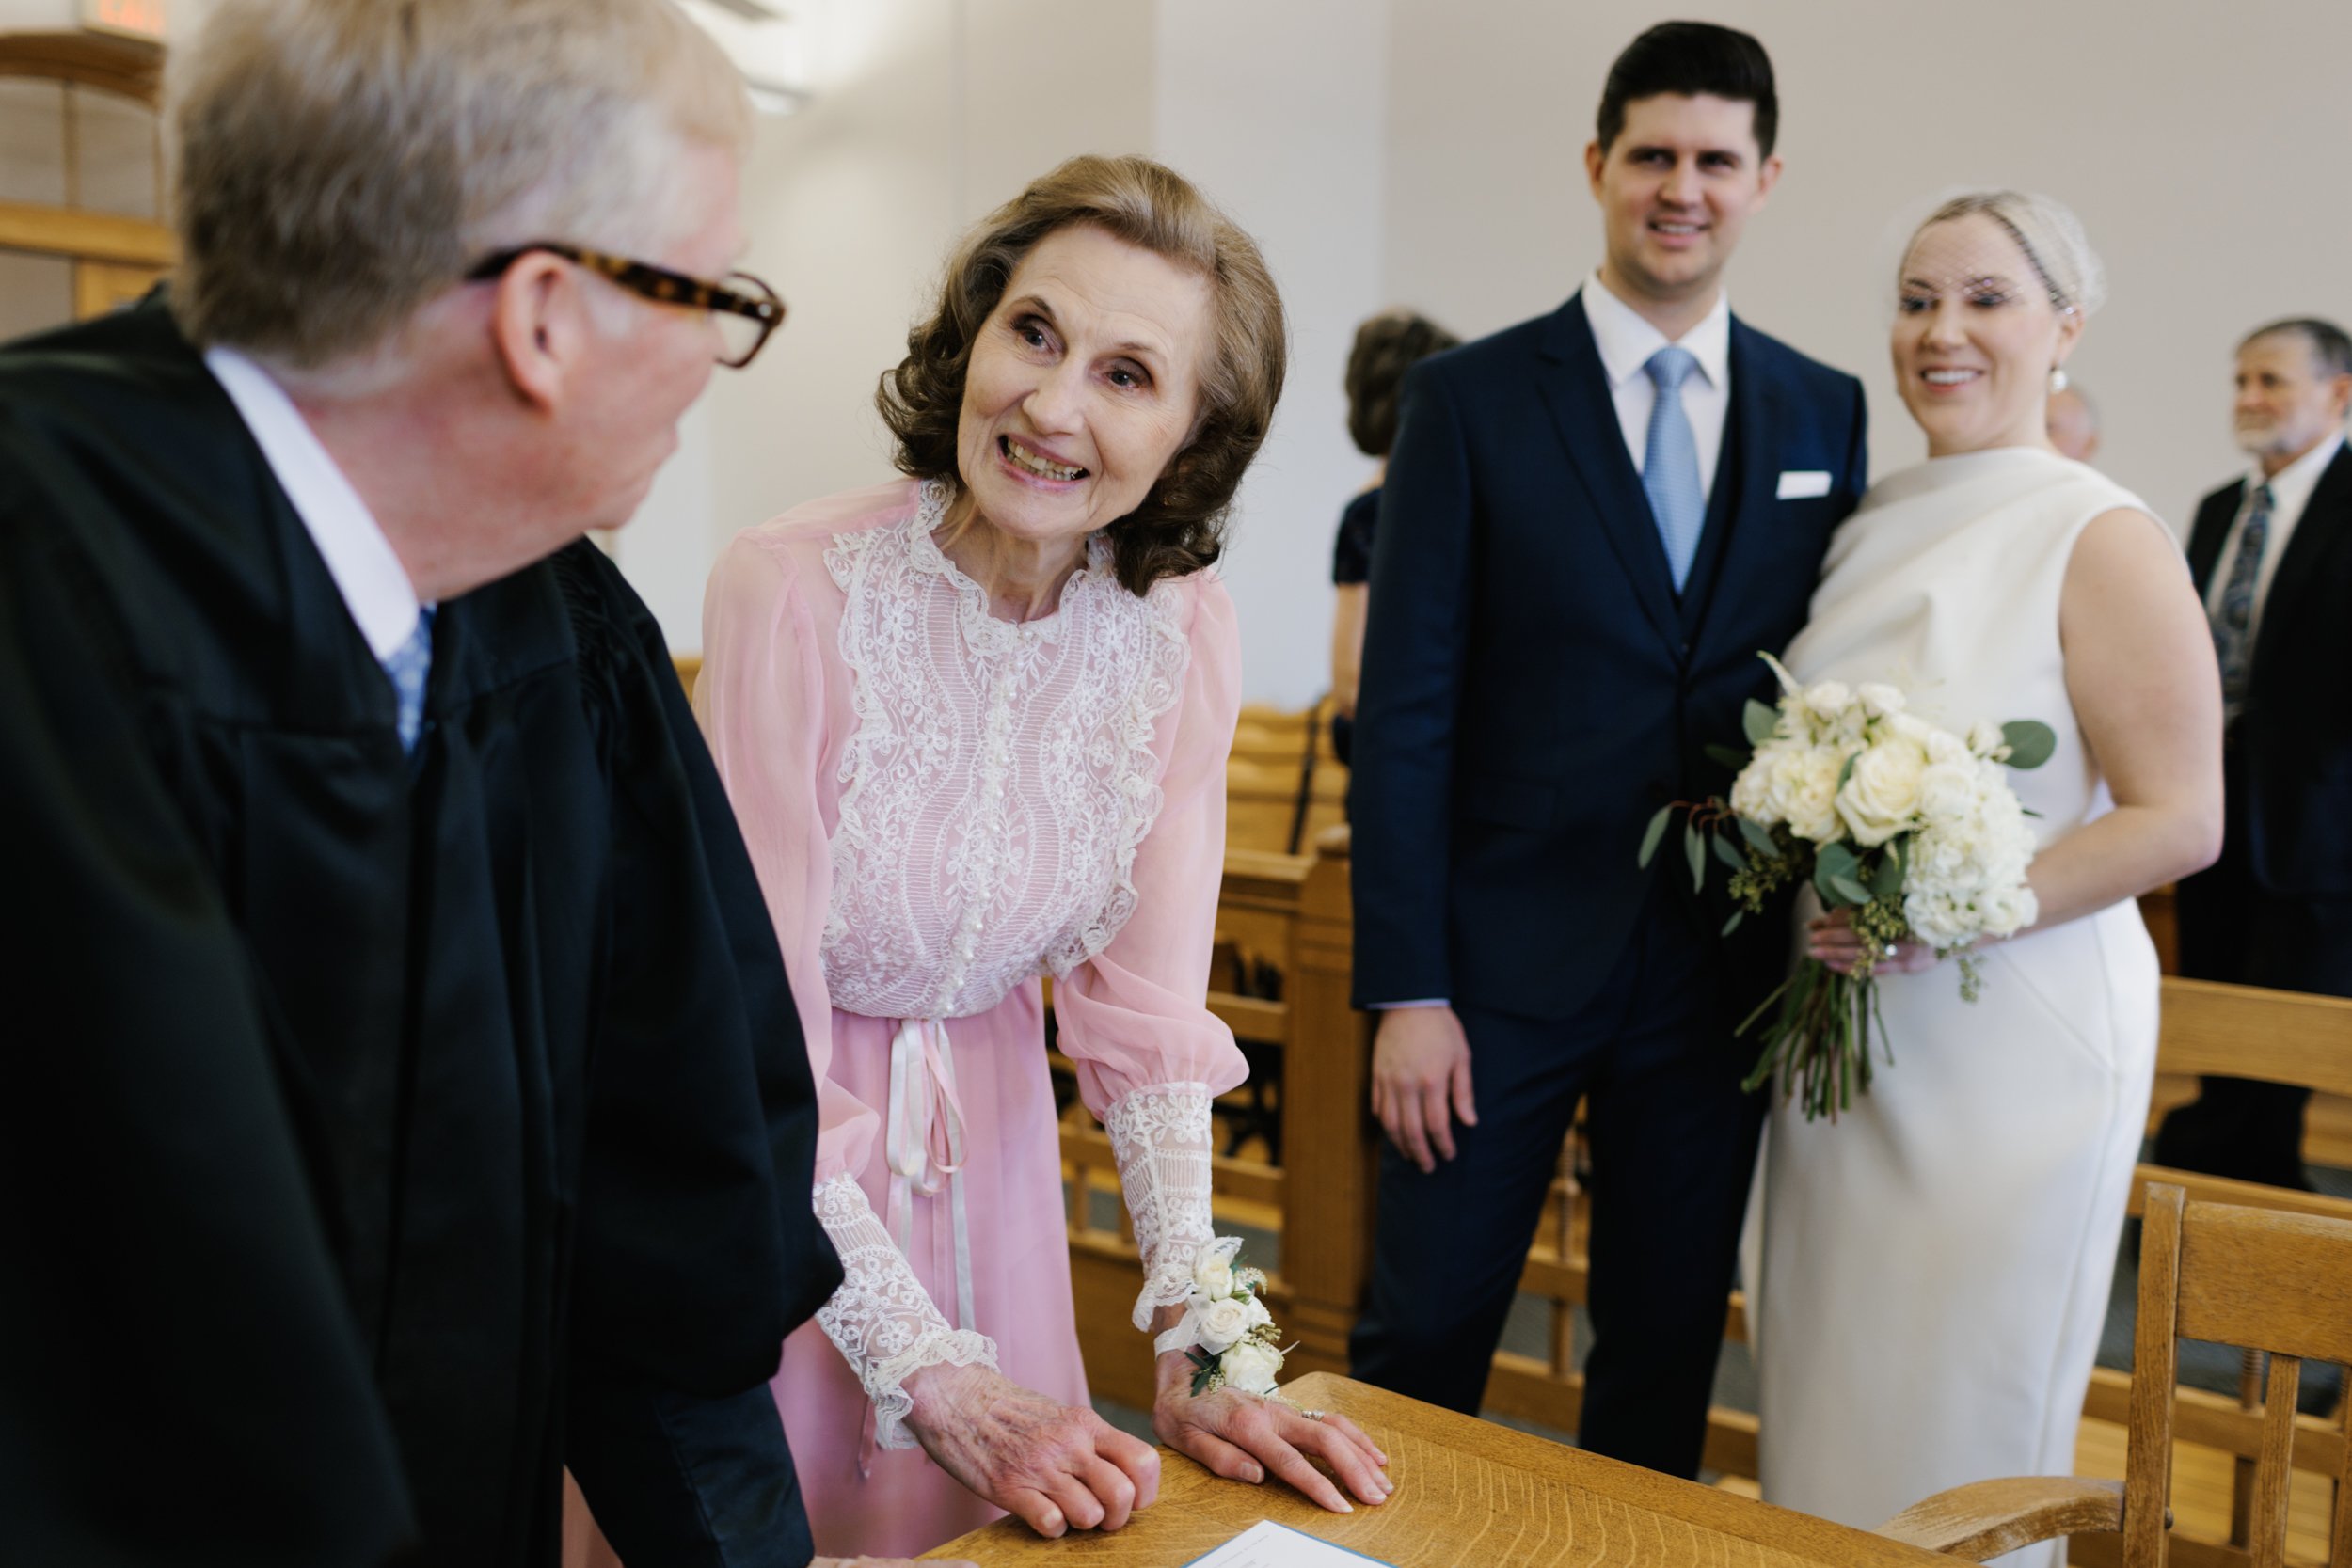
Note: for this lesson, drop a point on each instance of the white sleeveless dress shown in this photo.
(1936, 1266)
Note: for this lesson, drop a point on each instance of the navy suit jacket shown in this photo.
(1534, 689)
(2294, 732)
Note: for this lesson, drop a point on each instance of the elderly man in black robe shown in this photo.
(403, 1100)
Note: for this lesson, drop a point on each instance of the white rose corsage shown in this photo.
(1226, 1332)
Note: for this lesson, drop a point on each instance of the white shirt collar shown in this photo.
(1627, 341)
(374, 586)
(2292, 486)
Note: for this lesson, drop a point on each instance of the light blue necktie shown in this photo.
(2233, 619)
(1670, 463)
(407, 666)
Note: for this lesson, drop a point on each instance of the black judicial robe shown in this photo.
(378, 1135)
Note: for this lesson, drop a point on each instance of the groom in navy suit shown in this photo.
(1592, 523)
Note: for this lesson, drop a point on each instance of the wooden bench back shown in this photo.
(2253, 1278)
(2275, 1035)
(1284, 785)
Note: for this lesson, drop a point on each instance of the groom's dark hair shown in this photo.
(1691, 59)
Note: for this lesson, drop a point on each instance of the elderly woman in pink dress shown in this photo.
(974, 724)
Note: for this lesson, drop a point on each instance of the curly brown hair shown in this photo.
(1180, 527)
(1387, 345)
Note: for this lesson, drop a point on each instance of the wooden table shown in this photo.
(1467, 1491)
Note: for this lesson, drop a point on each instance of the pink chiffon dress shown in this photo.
(942, 806)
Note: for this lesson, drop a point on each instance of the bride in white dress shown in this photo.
(1935, 1264)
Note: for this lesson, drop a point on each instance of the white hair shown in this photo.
(341, 163)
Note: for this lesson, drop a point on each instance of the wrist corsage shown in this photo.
(1227, 1333)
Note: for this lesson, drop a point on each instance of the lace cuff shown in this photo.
(1161, 1137)
(882, 1320)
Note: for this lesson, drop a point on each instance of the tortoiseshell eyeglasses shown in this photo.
(745, 310)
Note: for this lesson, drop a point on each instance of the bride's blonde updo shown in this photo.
(2047, 231)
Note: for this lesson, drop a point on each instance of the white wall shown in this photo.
(1428, 152)
(2203, 148)
(1286, 135)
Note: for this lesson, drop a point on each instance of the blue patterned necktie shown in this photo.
(1670, 463)
(407, 666)
(2233, 619)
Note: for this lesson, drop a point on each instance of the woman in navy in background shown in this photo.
(1387, 345)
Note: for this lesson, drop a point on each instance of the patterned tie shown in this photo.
(407, 667)
(1670, 463)
(2233, 620)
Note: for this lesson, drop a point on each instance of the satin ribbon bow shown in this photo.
(924, 1143)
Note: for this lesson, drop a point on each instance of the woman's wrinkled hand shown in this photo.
(1244, 1438)
(1051, 1466)
(1832, 939)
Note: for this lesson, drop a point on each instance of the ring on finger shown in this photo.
(1313, 1415)
(1890, 949)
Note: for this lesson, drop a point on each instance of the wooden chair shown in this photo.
(2274, 1282)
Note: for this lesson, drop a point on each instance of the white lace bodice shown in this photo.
(995, 789)
(999, 778)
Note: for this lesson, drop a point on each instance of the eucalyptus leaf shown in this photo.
(1730, 756)
(1758, 839)
(1655, 834)
(1887, 880)
(1852, 891)
(2030, 742)
(1760, 722)
(1847, 772)
(1725, 853)
(1733, 923)
(1695, 845)
(1836, 860)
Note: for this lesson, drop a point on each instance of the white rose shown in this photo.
(1252, 1368)
(1752, 791)
(1804, 787)
(1911, 727)
(1879, 699)
(1258, 1314)
(1212, 1272)
(1944, 747)
(1985, 737)
(1827, 699)
(1883, 791)
(2004, 911)
(1222, 1322)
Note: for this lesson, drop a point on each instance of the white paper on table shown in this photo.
(1267, 1545)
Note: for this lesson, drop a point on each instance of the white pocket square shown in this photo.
(1796, 484)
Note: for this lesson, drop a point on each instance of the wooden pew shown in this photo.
(1284, 784)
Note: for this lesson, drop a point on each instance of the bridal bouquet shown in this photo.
(1911, 829)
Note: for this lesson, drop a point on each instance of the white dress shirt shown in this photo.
(374, 586)
(2291, 490)
(1626, 341)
